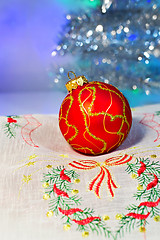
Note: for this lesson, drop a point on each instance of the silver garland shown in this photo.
(118, 43)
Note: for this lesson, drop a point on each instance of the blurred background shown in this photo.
(113, 41)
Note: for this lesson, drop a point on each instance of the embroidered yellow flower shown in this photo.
(157, 218)
(142, 229)
(153, 156)
(49, 166)
(67, 227)
(119, 216)
(85, 234)
(133, 176)
(106, 217)
(75, 191)
(46, 196)
(77, 180)
(49, 214)
(139, 187)
(45, 185)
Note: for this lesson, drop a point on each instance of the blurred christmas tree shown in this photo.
(118, 43)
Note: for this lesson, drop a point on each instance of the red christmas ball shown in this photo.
(95, 117)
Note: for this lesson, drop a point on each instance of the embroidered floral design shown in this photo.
(11, 126)
(96, 183)
(59, 190)
(148, 175)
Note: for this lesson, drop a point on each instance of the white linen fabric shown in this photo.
(49, 191)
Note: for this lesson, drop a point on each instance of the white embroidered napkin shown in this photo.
(49, 191)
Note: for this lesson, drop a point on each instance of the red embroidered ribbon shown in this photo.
(95, 184)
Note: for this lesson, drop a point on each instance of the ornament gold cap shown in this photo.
(73, 83)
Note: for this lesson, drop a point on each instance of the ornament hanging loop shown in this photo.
(72, 73)
(75, 82)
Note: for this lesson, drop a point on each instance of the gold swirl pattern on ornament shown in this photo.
(93, 94)
(121, 97)
(85, 117)
(124, 106)
(70, 97)
(124, 118)
(90, 107)
(79, 147)
(89, 113)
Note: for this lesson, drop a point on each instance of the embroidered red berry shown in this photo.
(11, 120)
